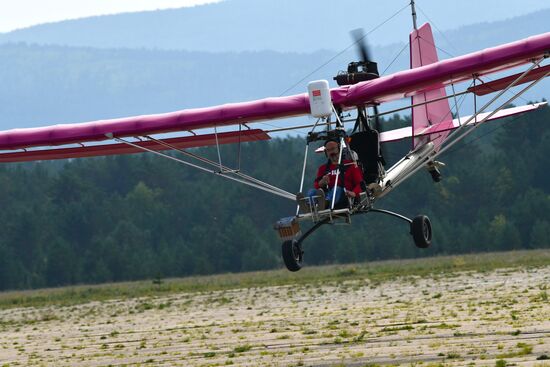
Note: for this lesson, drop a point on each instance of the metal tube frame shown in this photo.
(413, 14)
(339, 125)
(313, 229)
(461, 127)
(314, 210)
(456, 104)
(465, 133)
(393, 214)
(303, 175)
(456, 136)
(218, 148)
(226, 170)
(329, 219)
(337, 173)
(278, 192)
(426, 157)
(472, 128)
(305, 158)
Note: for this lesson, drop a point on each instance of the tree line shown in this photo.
(140, 216)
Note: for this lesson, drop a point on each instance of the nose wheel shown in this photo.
(293, 255)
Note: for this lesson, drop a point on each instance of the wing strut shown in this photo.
(459, 134)
(404, 168)
(305, 163)
(223, 172)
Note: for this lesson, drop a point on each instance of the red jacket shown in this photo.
(352, 177)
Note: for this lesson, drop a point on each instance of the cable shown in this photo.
(487, 133)
(451, 44)
(395, 58)
(437, 28)
(278, 127)
(344, 50)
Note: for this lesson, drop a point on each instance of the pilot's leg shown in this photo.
(338, 198)
(303, 203)
(316, 196)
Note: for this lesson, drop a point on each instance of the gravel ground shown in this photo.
(452, 319)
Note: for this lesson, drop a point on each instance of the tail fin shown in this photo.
(423, 52)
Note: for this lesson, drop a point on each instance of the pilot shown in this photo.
(349, 182)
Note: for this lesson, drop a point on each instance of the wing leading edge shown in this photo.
(231, 137)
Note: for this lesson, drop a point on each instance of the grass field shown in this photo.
(486, 310)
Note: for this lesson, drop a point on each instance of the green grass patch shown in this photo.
(376, 272)
(397, 328)
(523, 349)
(242, 348)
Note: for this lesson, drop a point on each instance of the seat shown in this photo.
(367, 146)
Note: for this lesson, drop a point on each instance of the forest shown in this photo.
(143, 217)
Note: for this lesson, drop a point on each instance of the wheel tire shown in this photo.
(421, 230)
(292, 255)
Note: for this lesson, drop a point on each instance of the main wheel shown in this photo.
(421, 230)
(292, 255)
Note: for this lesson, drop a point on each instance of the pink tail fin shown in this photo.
(423, 52)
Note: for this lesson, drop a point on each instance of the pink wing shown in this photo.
(403, 84)
(231, 137)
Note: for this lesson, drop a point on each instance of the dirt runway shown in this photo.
(451, 319)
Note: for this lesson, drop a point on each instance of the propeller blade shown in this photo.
(359, 37)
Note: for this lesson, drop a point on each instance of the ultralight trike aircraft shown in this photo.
(361, 90)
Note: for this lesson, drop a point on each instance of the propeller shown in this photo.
(363, 48)
(359, 37)
(359, 71)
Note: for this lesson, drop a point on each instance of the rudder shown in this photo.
(423, 52)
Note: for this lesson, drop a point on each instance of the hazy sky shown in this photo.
(23, 13)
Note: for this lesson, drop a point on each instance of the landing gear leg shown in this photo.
(421, 227)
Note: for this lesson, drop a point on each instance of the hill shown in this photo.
(54, 84)
(288, 26)
(113, 66)
(42, 85)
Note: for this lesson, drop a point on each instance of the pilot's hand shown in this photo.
(323, 182)
(351, 194)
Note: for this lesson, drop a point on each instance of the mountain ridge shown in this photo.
(237, 26)
(46, 84)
